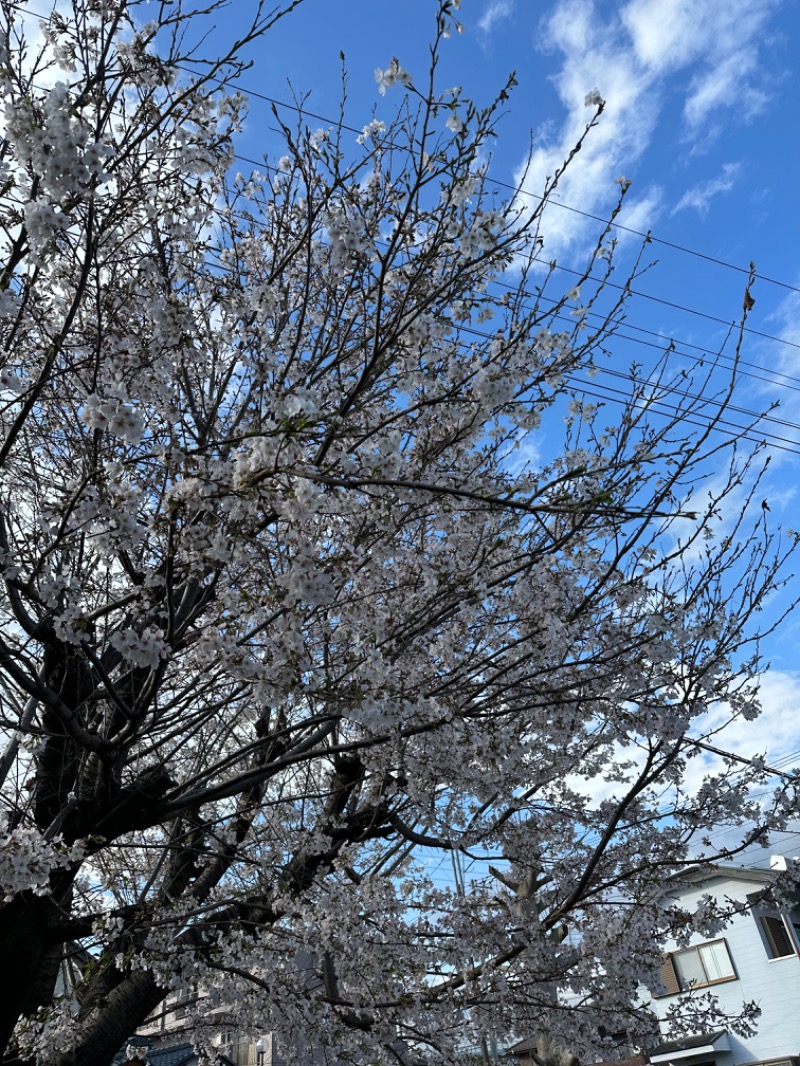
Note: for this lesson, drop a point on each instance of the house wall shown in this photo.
(774, 984)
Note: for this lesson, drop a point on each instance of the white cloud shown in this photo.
(496, 11)
(775, 735)
(724, 86)
(787, 317)
(639, 55)
(29, 19)
(642, 212)
(657, 29)
(700, 196)
(777, 383)
(670, 34)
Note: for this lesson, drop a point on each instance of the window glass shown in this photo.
(716, 960)
(779, 943)
(704, 965)
(690, 969)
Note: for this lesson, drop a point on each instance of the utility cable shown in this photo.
(621, 288)
(276, 102)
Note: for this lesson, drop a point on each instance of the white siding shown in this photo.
(774, 984)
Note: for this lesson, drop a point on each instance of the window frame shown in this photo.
(672, 981)
(184, 996)
(790, 930)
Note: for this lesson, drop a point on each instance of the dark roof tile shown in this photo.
(686, 1043)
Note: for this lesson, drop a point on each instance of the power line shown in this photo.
(648, 236)
(611, 394)
(778, 441)
(771, 377)
(671, 390)
(742, 759)
(666, 342)
(669, 303)
(782, 443)
(505, 185)
(625, 288)
(517, 191)
(659, 240)
(622, 397)
(607, 393)
(610, 284)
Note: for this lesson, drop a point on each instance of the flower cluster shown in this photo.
(27, 860)
(393, 75)
(147, 648)
(118, 418)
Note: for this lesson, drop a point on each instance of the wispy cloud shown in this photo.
(781, 362)
(773, 737)
(726, 85)
(496, 11)
(650, 52)
(787, 317)
(722, 39)
(701, 195)
(641, 212)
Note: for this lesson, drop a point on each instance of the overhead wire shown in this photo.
(777, 379)
(635, 293)
(606, 391)
(622, 397)
(620, 288)
(759, 416)
(780, 442)
(668, 339)
(786, 380)
(648, 236)
(598, 390)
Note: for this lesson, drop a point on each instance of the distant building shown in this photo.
(140, 1053)
(170, 1030)
(174, 1049)
(757, 958)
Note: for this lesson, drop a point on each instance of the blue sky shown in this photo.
(700, 107)
(701, 116)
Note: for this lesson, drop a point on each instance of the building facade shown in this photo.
(755, 959)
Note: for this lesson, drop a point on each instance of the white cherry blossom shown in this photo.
(322, 575)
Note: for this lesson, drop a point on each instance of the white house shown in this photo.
(756, 958)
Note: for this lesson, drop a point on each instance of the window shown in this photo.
(183, 996)
(707, 964)
(776, 933)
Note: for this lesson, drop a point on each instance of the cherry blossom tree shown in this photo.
(321, 570)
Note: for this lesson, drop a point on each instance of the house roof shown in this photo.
(709, 871)
(177, 1055)
(171, 1055)
(687, 1043)
(524, 1045)
(634, 1060)
(183, 1054)
(695, 875)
